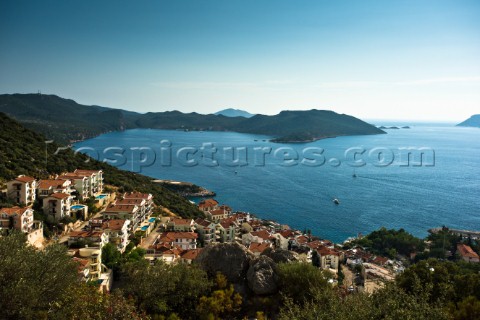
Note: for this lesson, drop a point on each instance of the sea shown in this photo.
(416, 178)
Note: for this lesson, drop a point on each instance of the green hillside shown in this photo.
(65, 121)
(23, 151)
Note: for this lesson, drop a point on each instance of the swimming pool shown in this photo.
(152, 219)
(77, 207)
(101, 196)
(144, 228)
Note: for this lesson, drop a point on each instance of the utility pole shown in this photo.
(47, 142)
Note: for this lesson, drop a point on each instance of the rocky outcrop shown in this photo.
(280, 255)
(230, 259)
(262, 276)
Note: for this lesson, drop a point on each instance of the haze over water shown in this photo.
(415, 198)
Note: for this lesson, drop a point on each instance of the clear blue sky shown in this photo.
(372, 59)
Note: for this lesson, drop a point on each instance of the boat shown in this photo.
(336, 201)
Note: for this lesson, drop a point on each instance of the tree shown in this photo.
(44, 284)
(390, 242)
(222, 303)
(86, 302)
(467, 309)
(111, 258)
(389, 303)
(443, 281)
(164, 289)
(32, 280)
(298, 281)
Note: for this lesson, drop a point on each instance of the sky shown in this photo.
(409, 60)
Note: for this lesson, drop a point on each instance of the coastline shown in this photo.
(186, 189)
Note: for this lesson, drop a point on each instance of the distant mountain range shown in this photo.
(65, 120)
(234, 113)
(473, 121)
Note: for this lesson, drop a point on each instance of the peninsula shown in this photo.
(66, 121)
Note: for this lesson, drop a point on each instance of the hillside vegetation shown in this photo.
(23, 151)
(65, 121)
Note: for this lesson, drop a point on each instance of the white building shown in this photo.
(58, 205)
(22, 219)
(22, 190)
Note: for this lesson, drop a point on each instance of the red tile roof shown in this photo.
(137, 195)
(380, 260)
(137, 201)
(218, 212)
(324, 251)
(86, 172)
(191, 254)
(172, 236)
(207, 203)
(85, 234)
(114, 208)
(72, 175)
(114, 224)
(315, 244)
(59, 195)
(301, 239)
(182, 222)
(202, 222)
(287, 233)
(228, 222)
(14, 210)
(258, 247)
(466, 251)
(82, 264)
(25, 179)
(262, 234)
(46, 184)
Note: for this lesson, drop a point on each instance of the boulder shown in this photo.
(281, 255)
(230, 259)
(262, 276)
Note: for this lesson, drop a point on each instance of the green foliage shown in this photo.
(223, 303)
(390, 242)
(86, 302)
(111, 257)
(443, 281)
(75, 122)
(467, 309)
(43, 284)
(441, 242)
(298, 281)
(164, 289)
(389, 303)
(91, 204)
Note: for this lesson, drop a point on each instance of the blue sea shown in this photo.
(295, 184)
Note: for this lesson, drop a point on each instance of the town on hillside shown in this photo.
(77, 210)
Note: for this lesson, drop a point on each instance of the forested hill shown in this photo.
(22, 151)
(65, 121)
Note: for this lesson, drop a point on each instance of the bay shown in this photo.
(445, 191)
